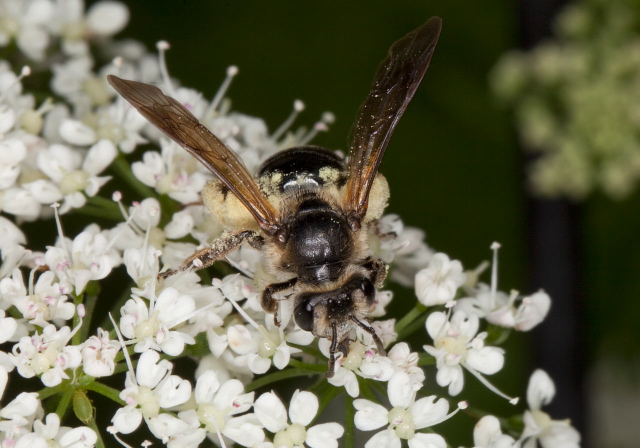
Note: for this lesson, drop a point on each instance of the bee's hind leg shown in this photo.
(218, 250)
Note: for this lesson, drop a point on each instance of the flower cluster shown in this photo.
(574, 99)
(54, 157)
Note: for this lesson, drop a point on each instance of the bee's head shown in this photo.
(320, 309)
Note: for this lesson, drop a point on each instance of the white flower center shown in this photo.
(542, 419)
(294, 435)
(147, 401)
(402, 422)
(353, 360)
(147, 328)
(269, 343)
(74, 181)
(212, 417)
(456, 348)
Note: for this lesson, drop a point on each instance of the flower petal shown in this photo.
(370, 415)
(303, 407)
(325, 435)
(271, 412)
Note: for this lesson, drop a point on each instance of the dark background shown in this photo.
(454, 165)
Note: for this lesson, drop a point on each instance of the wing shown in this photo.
(394, 84)
(172, 118)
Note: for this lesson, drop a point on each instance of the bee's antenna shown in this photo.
(332, 351)
(369, 329)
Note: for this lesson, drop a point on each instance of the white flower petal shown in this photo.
(487, 360)
(400, 391)
(271, 412)
(369, 415)
(427, 411)
(325, 435)
(107, 18)
(384, 439)
(77, 133)
(126, 420)
(541, 390)
(421, 440)
(303, 407)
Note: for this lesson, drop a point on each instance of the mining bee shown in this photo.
(307, 209)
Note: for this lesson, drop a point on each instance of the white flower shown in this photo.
(50, 433)
(75, 172)
(487, 434)
(17, 415)
(539, 427)
(42, 304)
(174, 172)
(153, 327)
(26, 23)
(47, 355)
(438, 282)
(455, 345)
(498, 308)
(219, 406)
(151, 389)
(12, 153)
(90, 256)
(98, 355)
(406, 416)
(302, 410)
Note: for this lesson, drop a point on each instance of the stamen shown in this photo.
(461, 405)
(318, 127)
(298, 106)
(127, 358)
(232, 71)
(55, 206)
(162, 47)
(26, 71)
(494, 270)
(45, 107)
(114, 432)
(240, 267)
(491, 387)
(172, 324)
(239, 308)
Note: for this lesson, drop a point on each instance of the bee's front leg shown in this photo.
(269, 303)
(218, 250)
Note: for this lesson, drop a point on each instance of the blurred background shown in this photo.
(456, 168)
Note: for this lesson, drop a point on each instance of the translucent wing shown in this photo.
(394, 84)
(172, 118)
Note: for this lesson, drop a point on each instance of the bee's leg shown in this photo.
(218, 250)
(332, 352)
(369, 329)
(269, 303)
(378, 270)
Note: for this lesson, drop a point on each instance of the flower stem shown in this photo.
(349, 424)
(307, 366)
(274, 377)
(103, 389)
(410, 317)
(412, 327)
(98, 212)
(65, 399)
(93, 425)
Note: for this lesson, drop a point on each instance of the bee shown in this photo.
(307, 209)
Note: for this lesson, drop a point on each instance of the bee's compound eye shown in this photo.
(303, 314)
(369, 290)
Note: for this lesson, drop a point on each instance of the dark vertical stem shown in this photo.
(554, 251)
